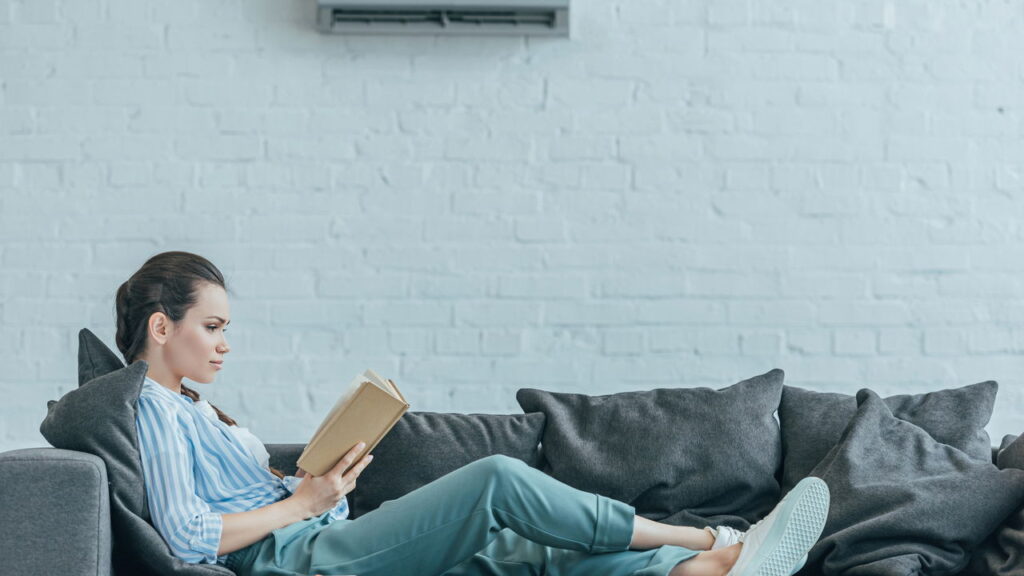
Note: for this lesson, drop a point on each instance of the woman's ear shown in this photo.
(159, 327)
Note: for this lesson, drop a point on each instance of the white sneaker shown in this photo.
(778, 544)
(727, 536)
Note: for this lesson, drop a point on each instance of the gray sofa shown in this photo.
(897, 468)
(56, 511)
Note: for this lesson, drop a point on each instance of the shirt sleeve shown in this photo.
(341, 510)
(338, 512)
(183, 519)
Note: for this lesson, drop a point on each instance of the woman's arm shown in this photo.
(243, 528)
(185, 521)
(314, 496)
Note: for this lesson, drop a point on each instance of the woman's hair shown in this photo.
(168, 282)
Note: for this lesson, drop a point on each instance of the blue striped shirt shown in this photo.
(195, 469)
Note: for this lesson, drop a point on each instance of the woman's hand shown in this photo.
(318, 494)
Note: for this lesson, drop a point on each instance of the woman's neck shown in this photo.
(163, 382)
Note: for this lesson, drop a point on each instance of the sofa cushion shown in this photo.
(812, 422)
(683, 456)
(98, 417)
(904, 503)
(423, 446)
(1002, 553)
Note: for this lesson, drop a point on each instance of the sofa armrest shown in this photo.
(55, 507)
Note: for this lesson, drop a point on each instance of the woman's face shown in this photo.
(194, 344)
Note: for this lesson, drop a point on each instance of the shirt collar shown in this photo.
(169, 393)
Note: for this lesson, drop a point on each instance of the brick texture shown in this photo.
(682, 194)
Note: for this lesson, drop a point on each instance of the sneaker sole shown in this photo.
(801, 522)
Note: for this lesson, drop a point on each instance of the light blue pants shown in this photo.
(495, 516)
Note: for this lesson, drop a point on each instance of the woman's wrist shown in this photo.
(299, 510)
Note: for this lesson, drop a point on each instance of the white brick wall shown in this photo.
(684, 194)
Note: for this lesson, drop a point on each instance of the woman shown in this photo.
(214, 497)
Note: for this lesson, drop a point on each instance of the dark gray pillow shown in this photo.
(1002, 553)
(1011, 452)
(683, 456)
(904, 503)
(812, 422)
(99, 418)
(94, 358)
(423, 446)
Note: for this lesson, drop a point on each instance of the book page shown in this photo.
(381, 383)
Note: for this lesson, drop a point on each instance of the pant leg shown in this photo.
(441, 524)
(512, 555)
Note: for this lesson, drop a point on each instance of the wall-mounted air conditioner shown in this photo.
(487, 17)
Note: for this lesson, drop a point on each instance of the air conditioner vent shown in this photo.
(531, 17)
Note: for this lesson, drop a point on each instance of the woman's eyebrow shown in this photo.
(219, 318)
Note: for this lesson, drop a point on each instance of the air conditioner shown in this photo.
(478, 17)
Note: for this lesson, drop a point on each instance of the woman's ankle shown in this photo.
(649, 534)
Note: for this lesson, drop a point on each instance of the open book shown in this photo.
(366, 411)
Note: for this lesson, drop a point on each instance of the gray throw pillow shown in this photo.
(94, 358)
(99, 418)
(1002, 553)
(683, 456)
(812, 422)
(904, 503)
(1011, 452)
(423, 446)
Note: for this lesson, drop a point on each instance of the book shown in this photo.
(366, 411)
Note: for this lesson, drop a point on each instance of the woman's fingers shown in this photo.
(358, 468)
(348, 458)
